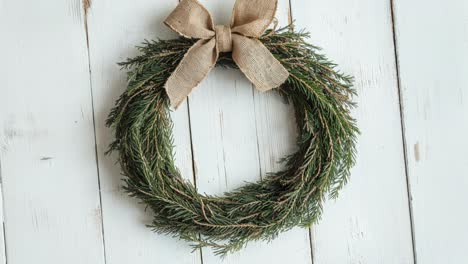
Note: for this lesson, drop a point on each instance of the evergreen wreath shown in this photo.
(257, 211)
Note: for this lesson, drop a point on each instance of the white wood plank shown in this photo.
(275, 120)
(432, 44)
(115, 28)
(47, 154)
(276, 135)
(369, 222)
(233, 142)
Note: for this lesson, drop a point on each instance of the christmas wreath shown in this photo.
(165, 73)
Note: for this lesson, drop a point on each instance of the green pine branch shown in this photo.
(321, 96)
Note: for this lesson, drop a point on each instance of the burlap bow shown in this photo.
(250, 19)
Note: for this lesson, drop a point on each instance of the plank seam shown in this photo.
(191, 144)
(3, 214)
(86, 6)
(403, 128)
(311, 240)
(4, 239)
(193, 161)
(256, 134)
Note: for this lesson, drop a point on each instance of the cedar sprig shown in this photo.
(141, 121)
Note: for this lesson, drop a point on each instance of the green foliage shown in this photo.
(256, 211)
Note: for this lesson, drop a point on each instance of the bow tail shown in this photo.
(257, 63)
(192, 69)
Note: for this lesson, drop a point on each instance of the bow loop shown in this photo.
(191, 20)
(250, 19)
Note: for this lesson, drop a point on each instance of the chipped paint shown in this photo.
(417, 155)
(86, 6)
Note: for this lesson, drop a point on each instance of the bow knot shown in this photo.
(250, 19)
(223, 38)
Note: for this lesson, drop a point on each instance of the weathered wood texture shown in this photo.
(369, 222)
(432, 48)
(239, 135)
(47, 154)
(115, 28)
(61, 200)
